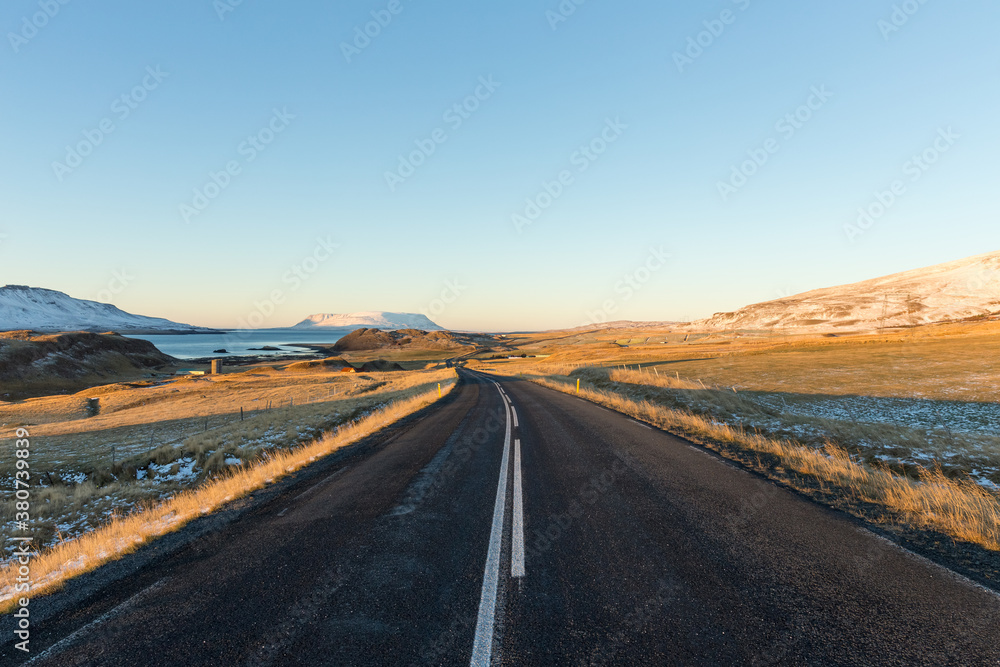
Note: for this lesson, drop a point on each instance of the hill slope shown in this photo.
(40, 309)
(373, 318)
(39, 364)
(955, 290)
(374, 339)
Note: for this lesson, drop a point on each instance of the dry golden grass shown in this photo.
(908, 398)
(938, 362)
(76, 487)
(52, 568)
(903, 433)
(958, 508)
(86, 466)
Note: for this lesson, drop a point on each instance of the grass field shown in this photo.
(959, 508)
(903, 420)
(150, 440)
(875, 417)
(916, 397)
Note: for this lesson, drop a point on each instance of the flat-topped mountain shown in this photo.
(372, 318)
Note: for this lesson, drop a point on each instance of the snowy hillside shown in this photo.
(950, 291)
(374, 318)
(47, 310)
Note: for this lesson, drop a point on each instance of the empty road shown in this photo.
(511, 524)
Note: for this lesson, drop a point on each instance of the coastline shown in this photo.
(316, 352)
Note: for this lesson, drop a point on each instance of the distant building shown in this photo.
(189, 371)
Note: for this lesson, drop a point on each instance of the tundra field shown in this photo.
(900, 427)
(921, 397)
(145, 441)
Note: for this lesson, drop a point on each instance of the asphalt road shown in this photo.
(549, 532)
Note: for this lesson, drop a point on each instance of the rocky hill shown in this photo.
(37, 364)
(376, 339)
(952, 291)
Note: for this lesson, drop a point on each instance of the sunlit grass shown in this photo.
(123, 534)
(956, 507)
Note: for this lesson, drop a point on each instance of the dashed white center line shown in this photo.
(514, 412)
(517, 548)
(482, 647)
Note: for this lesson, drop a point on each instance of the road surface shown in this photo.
(515, 525)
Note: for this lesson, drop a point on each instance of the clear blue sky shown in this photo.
(678, 129)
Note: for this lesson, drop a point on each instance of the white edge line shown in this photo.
(68, 640)
(482, 646)
(927, 561)
(864, 528)
(322, 481)
(517, 548)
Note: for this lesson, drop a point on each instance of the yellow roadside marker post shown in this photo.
(439, 390)
(578, 385)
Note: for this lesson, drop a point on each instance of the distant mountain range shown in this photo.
(375, 319)
(952, 291)
(46, 310)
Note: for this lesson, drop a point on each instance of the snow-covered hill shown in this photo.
(950, 291)
(46, 310)
(376, 319)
